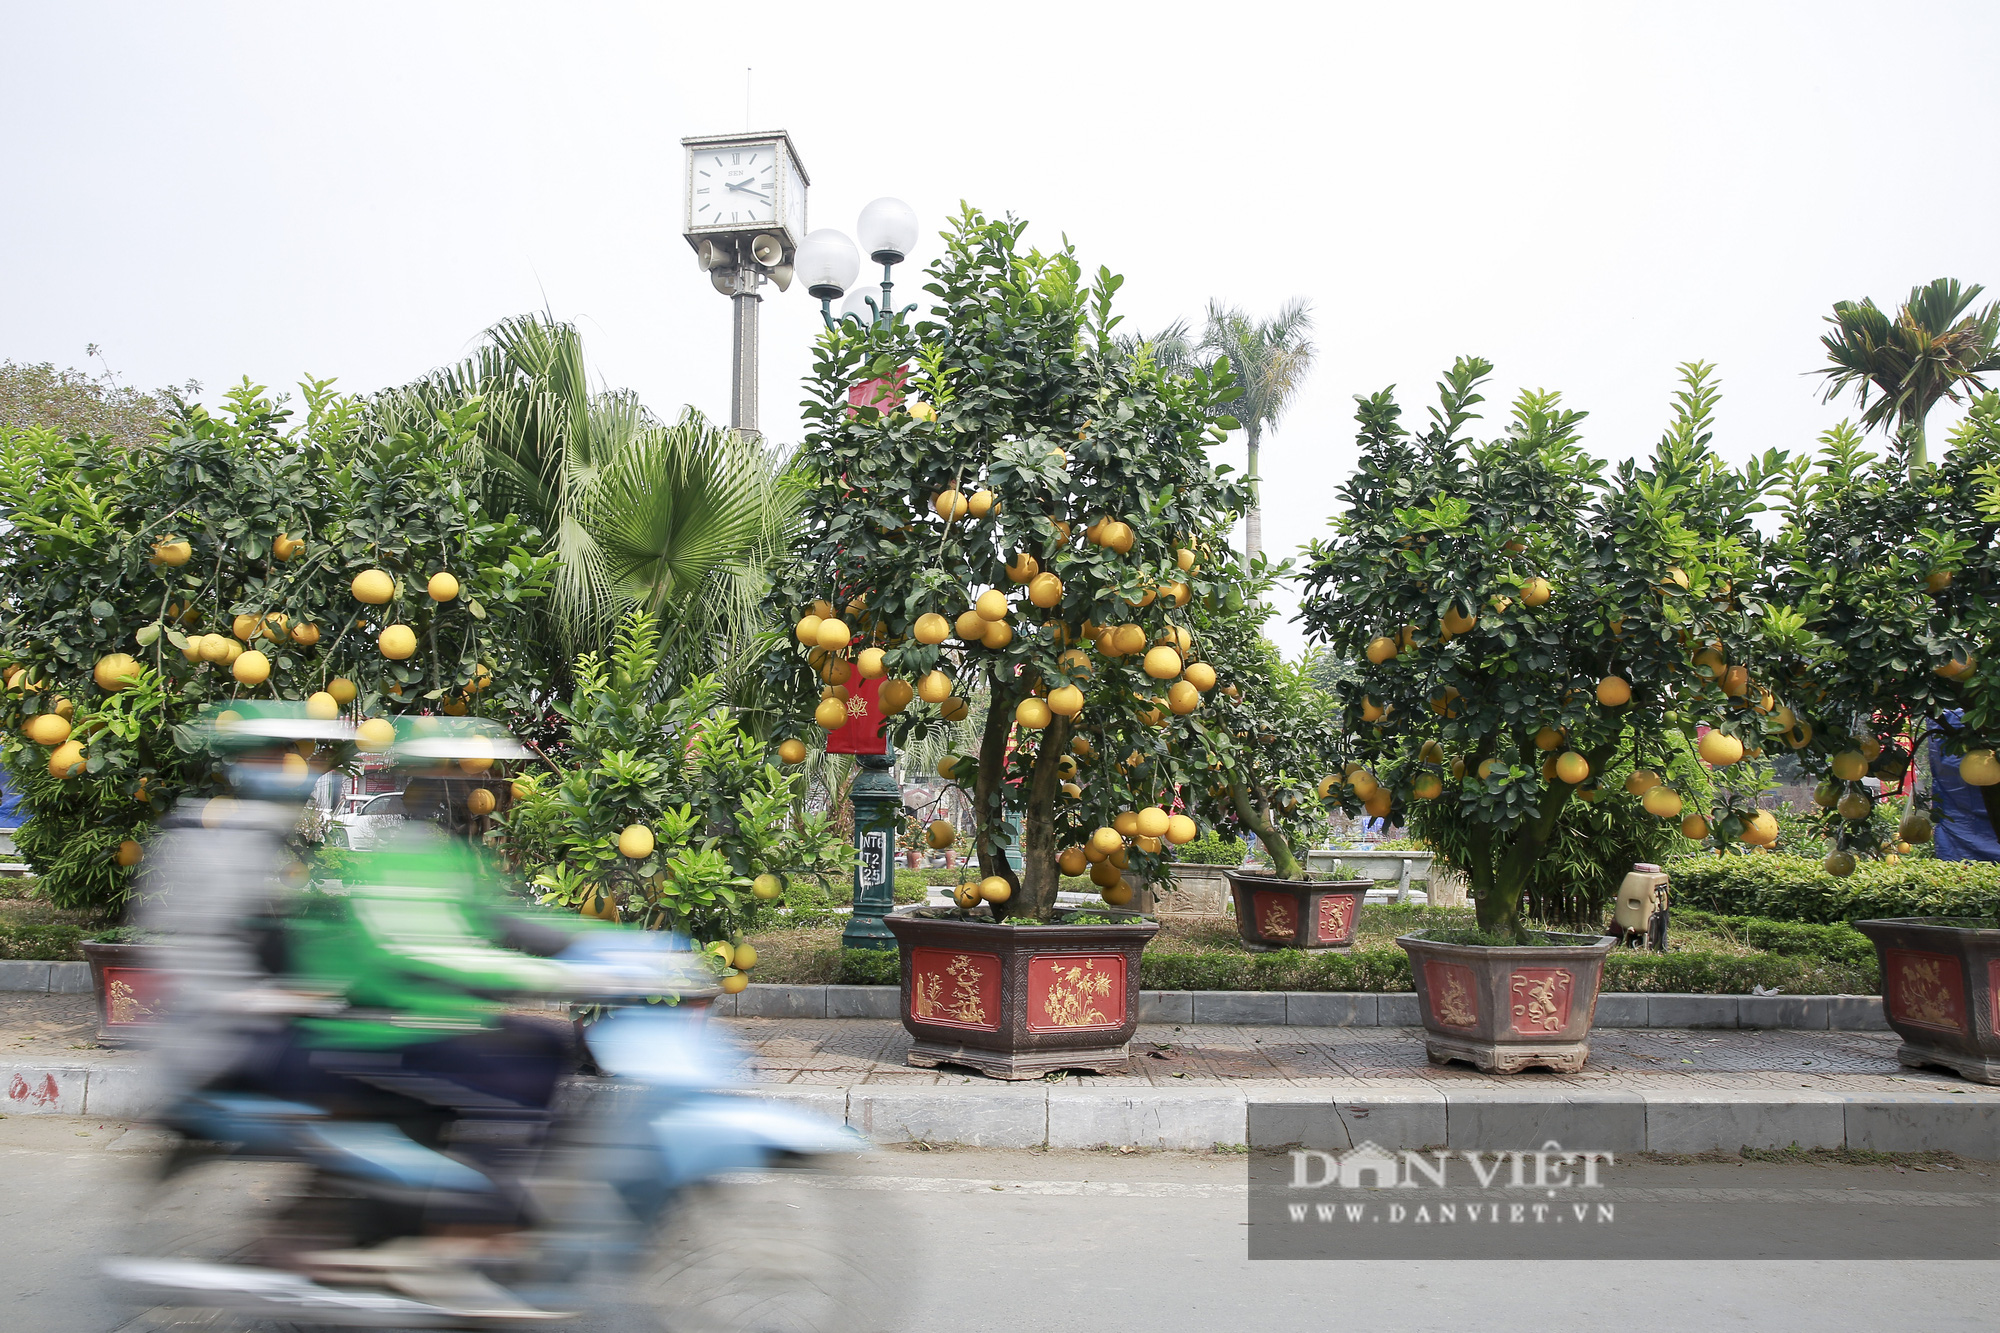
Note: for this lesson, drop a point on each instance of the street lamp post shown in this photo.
(828, 262)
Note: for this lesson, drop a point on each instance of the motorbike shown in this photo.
(658, 1197)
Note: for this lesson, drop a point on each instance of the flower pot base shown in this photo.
(1019, 1065)
(1564, 1057)
(1977, 1068)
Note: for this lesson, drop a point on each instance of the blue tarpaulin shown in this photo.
(13, 810)
(1964, 833)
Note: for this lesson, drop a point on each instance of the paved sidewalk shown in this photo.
(1325, 1059)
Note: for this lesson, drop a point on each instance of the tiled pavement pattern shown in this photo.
(845, 1052)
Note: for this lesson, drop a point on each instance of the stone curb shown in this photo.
(48, 978)
(1044, 1115)
(1816, 1013)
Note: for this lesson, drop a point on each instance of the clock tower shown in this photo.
(745, 214)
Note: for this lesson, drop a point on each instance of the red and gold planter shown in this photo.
(1018, 1001)
(1507, 1008)
(1273, 913)
(1941, 990)
(131, 984)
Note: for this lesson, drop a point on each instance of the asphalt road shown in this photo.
(1107, 1241)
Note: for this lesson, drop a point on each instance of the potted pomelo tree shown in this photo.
(1895, 572)
(236, 555)
(1524, 623)
(1013, 533)
(1266, 739)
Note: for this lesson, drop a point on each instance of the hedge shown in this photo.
(1839, 943)
(1795, 888)
(1388, 970)
(41, 944)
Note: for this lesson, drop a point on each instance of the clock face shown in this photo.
(735, 186)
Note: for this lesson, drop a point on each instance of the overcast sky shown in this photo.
(1585, 194)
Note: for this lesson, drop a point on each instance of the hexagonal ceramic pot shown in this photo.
(1508, 1007)
(1314, 915)
(1941, 990)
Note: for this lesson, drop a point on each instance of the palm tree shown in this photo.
(683, 520)
(1923, 355)
(1270, 359)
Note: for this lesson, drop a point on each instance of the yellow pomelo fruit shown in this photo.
(130, 853)
(1720, 749)
(1761, 830)
(767, 887)
(1642, 781)
(1152, 822)
(831, 714)
(982, 503)
(375, 735)
(1162, 663)
(1045, 590)
(115, 671)
(998, 635)
(1200, 675)
(1033, 713)
(397, 642)
(66, 760)
(950, 505)
(191, 649)
(1536, 591)
(932, 628)
(1183, 698)
(1107, 840)
(934, 688)
(992, 605)
(1427, 787)
(1364, 783)
(342, 689)
(895, 696)
(870, 663)
(173, 552)
(1850, 766)
(995, 889)
(1916, 827)
(443, 587)
(941, 834)
(1694, 828)
(745, 957)
(373, 586)
(1073, 861)
(1181, 830)
(953, 709)
(305, 636)
(1614, 691)
(247, 627)
(47, 729)
(1380, 649)
(735, 984)
(1023, 568)
(480, 802)
(636, 842)
(808, 629)
(1839, 864)
(1105, 875)
(284, 546)
(1066, 701)
(215, 647)
(834, 635)
(1132, 639)
(1663, 801)
(792, 751)
(252, 668)
(1548, 738)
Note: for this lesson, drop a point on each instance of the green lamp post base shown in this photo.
(878, 807)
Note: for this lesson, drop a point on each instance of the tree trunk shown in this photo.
(1500, 906)
(989, 805)
(1913, 428)
(1259, 821)
(1035, 896)
(1253, 517)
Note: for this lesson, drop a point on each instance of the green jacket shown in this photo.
(411, 944)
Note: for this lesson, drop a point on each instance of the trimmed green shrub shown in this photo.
(1795, 888)
(1212, 849)
(41, 944)
(870, 967)
(1833, 944)
(1283, 969)
(1709, 973)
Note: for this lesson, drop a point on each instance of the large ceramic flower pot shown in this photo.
(1018, 1001)
(1505, 1008)
(1197, 890)
(1941, 990)
(1313, 915)
(131, 985)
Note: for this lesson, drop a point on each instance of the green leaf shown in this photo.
(147, 634)
(478, 611)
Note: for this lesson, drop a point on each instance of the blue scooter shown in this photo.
(657, 1197)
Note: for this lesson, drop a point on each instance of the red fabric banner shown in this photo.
(863, 732)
